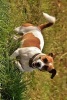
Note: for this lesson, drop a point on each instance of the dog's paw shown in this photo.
(15, 37)
(17, 63)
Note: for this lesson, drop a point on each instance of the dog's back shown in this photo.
(29, 40)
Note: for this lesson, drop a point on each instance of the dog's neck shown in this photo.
(28, 53)
(31, 59)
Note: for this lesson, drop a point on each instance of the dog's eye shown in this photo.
(45, 60)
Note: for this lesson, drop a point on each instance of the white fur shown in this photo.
(22, 29)
(49, 18)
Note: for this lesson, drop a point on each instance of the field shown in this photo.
(15, 85)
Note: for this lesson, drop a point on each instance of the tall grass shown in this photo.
(10, 78)
(33, 85)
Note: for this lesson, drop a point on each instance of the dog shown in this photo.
(30, 51)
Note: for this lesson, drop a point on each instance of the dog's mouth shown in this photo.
(38, 66)
(44, 68)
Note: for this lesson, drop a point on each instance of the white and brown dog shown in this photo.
(32, 43)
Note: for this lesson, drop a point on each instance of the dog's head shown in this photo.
(44, 63)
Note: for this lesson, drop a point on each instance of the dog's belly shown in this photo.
(36, 34)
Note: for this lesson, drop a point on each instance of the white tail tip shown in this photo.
(49, 18)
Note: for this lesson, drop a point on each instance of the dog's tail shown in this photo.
(51, 20)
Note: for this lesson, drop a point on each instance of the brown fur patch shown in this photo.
(27, 24)
(50, 59)
(30, 41)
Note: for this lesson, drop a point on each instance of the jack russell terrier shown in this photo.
(32, 43)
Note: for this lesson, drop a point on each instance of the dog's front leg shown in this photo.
(15, 54)
(19, 66)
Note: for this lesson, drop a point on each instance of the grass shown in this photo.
(33, 85)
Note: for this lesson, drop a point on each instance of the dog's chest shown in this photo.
(26, 54)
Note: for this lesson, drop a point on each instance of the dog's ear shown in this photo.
(51, 54)
(53, 71)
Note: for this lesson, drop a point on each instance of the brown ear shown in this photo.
(51, 54)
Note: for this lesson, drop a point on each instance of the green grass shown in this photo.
(33, 85)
